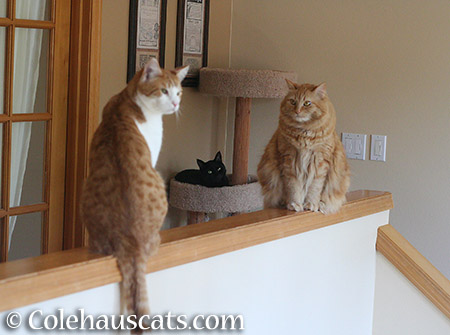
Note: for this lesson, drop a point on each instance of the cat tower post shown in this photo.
(244, 85)
(244, 194)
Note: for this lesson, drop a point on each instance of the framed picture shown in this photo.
(147, 33)
(192, 38)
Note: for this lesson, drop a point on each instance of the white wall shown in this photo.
(316, 283)
(400, 308)
(386, 64)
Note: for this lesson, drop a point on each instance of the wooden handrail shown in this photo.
(49, 276)
(415, 267)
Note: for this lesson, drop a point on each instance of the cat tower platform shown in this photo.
(245, 192)
(228, 199)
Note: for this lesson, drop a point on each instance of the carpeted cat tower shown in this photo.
(245, 193)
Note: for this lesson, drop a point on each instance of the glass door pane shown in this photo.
(33, 9)
(2, 67)
(27, 163)
(25, 236)
(3, 8)
(30, 70)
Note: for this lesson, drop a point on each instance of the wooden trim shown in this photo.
(6, 141)
(419, 271)
(25, 117)
(83, 109)
(32, 280)
(28, 209)
(4, 21)
(7, 130)
(94, 68)
(23, 23)
(57, 125)
(12, 9)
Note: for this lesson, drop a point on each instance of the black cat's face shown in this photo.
(213, 171)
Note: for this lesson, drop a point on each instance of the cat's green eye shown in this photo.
(307, 103)
(164, 91)
(292, 102)
(219, 168)
(179, 93)
(209, 172)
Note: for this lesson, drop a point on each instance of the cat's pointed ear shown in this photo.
(291, 85)
(218, 157)
(151, 70)
(321, 90)
(201, 164)
(182, 72)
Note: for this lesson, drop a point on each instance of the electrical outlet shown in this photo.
(378, 148)
(354, 145)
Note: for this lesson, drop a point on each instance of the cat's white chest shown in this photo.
(152, 130)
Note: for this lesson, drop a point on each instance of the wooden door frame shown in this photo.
(53, 238)
(83, 109)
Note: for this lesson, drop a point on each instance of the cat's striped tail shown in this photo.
(134, 287)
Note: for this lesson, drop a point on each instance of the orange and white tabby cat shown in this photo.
(304, 165)
(124, 199)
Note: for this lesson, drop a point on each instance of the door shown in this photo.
(34, 63)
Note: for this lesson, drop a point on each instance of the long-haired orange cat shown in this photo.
(124, 199)
(304, 165)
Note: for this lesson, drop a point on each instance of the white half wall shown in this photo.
(400, 308)
(317, 283)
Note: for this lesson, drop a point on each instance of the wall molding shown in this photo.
(415, 267)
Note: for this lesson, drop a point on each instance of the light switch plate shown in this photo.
(378, 148)
(354, 145)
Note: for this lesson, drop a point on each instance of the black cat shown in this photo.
(211, 174)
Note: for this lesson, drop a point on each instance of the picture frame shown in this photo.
(192, 38)
(146, 33)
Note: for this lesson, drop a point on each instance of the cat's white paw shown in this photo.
(325, 208)
(293, 206)
(311, 207)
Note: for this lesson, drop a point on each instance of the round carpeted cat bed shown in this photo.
(245, 195)
(228, 199)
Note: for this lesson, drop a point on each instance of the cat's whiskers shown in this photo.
(178, 114)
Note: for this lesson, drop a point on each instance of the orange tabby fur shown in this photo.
(124, 200)
(304, 165)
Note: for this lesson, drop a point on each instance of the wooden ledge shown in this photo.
(415, 267)
(49, 276)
